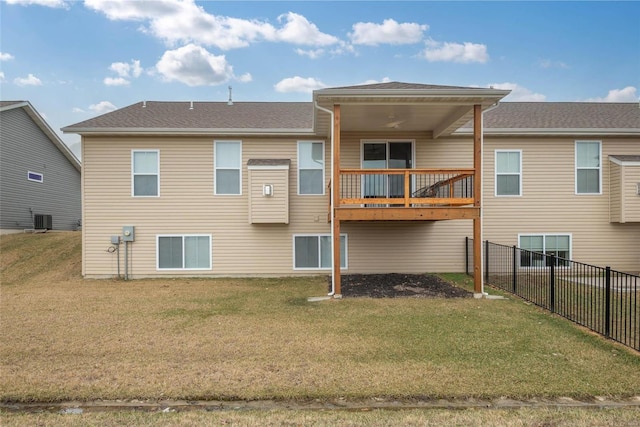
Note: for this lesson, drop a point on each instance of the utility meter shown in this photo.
(128, 233)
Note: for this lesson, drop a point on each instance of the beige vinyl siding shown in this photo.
(271, 209)
(630, 185)
(187, 205)
(615, 195)
(549, 204)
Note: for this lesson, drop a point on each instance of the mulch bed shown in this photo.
(399, 285)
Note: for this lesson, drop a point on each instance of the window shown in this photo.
(588, 172)
(146, 173)
(227, 164)
(188, 252)
(536, 245)
(35, 177)
(314, 252)
(310, 167)
(508, 173)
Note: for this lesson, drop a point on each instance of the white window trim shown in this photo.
(544, 244)
(158, 236)
(133, 174)
(318, 235)
(575, 164)
(41, 180)
(496, 174)
(215, 168)
(324, 170)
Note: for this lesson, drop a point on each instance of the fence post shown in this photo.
(552, 284)
(515, 269)
(607, 302)
(486, 261)
(466, 255)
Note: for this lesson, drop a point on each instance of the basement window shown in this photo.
(35, 177)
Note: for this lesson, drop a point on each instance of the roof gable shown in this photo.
(44, 126)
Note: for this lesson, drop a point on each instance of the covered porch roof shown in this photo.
(406, 107)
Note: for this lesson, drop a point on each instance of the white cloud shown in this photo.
(455, 52)
(311, 53)
(77, 110)
(245, 78)
(124, 69)
(102, 107)
(547, 63)
(628, 94)
(30, 80)
(2, 76)
(48, 3)
(299, 84)
(186, 22)
(519, 93)
(373, 81)
(194, 66)
(389, 32)
(5, 56)
(117, 81)
(298, 30)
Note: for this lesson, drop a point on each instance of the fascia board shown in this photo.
(185, 131)
(622, 162)
(411, 93)
(552, 131)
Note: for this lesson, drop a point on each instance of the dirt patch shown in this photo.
(396, 285)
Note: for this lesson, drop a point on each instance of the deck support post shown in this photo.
(477, 196)
(335, 221)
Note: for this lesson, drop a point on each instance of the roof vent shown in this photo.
(144, 104)
(230, 102)
(191, 105)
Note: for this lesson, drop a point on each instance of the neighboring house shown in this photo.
(40, 176)
(393, 171)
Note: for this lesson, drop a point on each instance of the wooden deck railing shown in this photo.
(406, 187)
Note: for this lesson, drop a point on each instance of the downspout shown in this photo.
(333, 184)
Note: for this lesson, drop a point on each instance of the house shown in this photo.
(381, 178)
(40, 176)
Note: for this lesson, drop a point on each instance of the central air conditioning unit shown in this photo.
(42, 222)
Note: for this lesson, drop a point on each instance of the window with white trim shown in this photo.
(35, 177)
(313, 252)
(184, 252)
(145, 173)
(310, 167)
(535, 245)
(227, 161)
(588, 167)
(508, 172)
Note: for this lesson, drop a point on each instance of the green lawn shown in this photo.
(65, 338)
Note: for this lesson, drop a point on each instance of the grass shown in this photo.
(66, 338)
(375, 418)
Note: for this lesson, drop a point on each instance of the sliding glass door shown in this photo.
(385, 155)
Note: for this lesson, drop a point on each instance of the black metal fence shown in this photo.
(599, 298)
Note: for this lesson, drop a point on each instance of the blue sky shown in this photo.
(76, 59)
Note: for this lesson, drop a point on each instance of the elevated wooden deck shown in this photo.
(406, 195)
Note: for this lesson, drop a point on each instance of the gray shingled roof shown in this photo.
(626, 157)
(204, 115)
(399, 85)
(563, 115)
(298, 116)
(268, 162)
